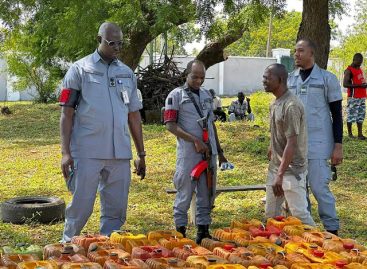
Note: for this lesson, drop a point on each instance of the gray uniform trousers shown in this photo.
(112, 179)
(185, 188)
(318, 178)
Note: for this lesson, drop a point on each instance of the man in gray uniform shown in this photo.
(182, 118)
(99, 105)
(288, 149)
(320, 93)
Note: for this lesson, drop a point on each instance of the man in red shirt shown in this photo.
(356, 84)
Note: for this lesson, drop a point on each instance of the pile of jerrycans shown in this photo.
(280, 243)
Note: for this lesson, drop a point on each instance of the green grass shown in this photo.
(30, 165)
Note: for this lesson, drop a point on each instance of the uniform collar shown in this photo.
(315, 73)
(186, 87)
(96, 58)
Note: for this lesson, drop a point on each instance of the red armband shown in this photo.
(170, 115)
(69, 98)
(64, 96)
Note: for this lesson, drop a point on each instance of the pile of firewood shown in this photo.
(156, 80)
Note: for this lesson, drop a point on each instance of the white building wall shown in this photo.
(229, 77)
(244, 74)
(3, 80)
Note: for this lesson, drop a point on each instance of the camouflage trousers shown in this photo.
(356, 109)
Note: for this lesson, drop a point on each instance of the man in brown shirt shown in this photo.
(288, 149)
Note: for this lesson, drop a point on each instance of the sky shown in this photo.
(343, 23)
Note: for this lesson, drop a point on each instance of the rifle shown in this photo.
(205, 165)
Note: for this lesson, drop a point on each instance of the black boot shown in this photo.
(181, 229)
(203, 232)
(333, 232)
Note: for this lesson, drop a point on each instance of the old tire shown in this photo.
(33, 209)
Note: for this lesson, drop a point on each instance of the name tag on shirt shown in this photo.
(125, 96)
(203, 106)
(303, 90)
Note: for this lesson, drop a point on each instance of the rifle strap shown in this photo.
(192, 98)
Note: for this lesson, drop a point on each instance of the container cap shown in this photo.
(279, 218)
(68, 248)
(348, 246)
(228, 247)
(318, 253)
(341, 264)
(265, 265)
(172, 261)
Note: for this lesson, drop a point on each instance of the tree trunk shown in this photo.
(315, 26)
(213, 52)
(131, 54)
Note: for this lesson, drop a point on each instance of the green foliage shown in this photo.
(27, 71)
(284, 34)
(356, 40)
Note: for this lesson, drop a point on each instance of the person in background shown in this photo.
(217, 107)
(356, 84)
(240, 109)
(142, 111)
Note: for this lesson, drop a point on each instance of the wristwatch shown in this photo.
(142, 154)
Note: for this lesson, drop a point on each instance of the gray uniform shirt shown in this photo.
(188, 118)
(316, 92)
(108, 93)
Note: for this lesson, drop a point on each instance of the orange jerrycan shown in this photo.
(173, 242)
(100, 256)
(319, 237)
(205, 261)
(229, 235)
(11, 260)
(264, 248)
(104, 245)
(300, 247)
(287, 259)
(248, 259)
(86, 239)
(314, 253)
(352, 254)
(187, 250)
(38, 264)
(281, 221)
(125, 264)
(353, 265)
(244, 242)
(54, 250)
(283, 239)
(226, 266)
(156, 235)
(122, 237)
(312, 266)
(130, 244)
(160, 263)
(245, 224)
(148, 252)
(298, 229)
(67, 257)
(210, 244)
(82, 265)
(229, 250)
